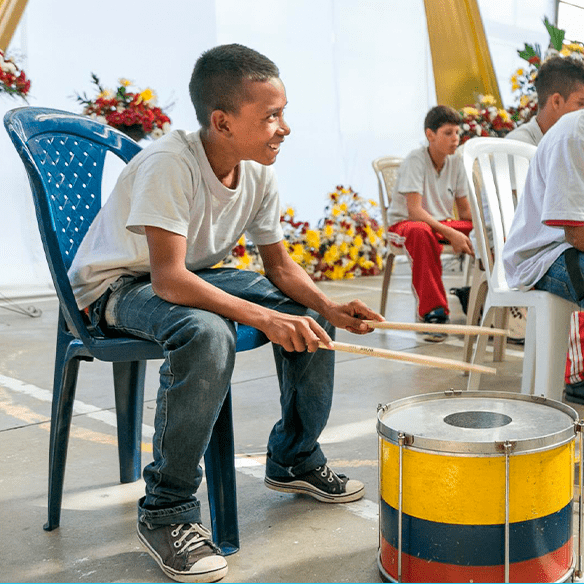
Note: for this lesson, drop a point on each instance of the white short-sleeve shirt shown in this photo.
(171, 185)
(417, 174)
(553, 197)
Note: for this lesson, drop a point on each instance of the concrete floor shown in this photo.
(284, 538)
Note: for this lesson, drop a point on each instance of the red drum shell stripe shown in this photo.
(552, 567)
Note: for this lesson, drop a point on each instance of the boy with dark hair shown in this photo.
(430, 181)
(144, 269)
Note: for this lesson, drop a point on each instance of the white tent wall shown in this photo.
(358, 76)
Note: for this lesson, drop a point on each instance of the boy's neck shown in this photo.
(224, 166)
(437, 158)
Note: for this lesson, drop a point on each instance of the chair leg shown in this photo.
(220, 473)
(500, 343)
(552, 330)
(65, 383)
(129, 391)
(385, 284)
(529, 352)
(474, 379)
(476, 300)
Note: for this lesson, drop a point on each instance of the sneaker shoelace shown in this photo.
(329, 474)
(194, 536)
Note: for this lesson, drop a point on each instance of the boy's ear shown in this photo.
(220, 122)
(555, 100)
(430, 134)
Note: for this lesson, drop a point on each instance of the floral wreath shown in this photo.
(132, 112)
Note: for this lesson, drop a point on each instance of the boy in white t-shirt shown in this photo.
(430, 181)
(546, 239)
(144, 269)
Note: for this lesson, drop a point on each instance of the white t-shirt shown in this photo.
(530, 132)
(417, 174)
(171, 185)
(553, 195)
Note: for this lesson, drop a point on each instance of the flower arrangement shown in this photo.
(485, 119)
(348, 242)
(13, 81)
(132, 112)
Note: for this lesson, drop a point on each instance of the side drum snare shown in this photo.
(476, 486)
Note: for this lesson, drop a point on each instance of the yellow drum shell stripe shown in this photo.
(470, 490)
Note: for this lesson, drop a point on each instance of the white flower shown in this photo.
(166, 127)
(101, 119)
(120, 108)
(156, 133)
(8, 67)
(465, 127)
(478, 130)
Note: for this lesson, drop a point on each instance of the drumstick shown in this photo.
(410, 357)
(461, 329)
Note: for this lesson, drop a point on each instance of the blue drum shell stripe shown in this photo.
(477, 545)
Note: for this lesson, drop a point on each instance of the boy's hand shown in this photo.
(295, 333)
(349, 316)
(460, 243)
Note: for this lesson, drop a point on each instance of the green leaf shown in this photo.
(556, 35)
(527, 52)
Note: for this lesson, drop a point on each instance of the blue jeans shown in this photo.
(199, 350)
(557, 281)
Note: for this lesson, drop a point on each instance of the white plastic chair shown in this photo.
(386, 168)
(548, 316)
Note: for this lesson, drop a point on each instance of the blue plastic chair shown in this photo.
(64, 155)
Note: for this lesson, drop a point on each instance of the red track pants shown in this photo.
(575, 361)
(424, 246)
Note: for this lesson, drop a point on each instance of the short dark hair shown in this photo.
(217, 82)
(558, 75)
(441, 115)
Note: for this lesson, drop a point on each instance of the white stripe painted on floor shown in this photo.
(79, 407)
(244, 464)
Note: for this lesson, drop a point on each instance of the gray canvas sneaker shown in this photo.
(185, 552)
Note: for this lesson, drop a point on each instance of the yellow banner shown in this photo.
(460, 54)
(10, 15)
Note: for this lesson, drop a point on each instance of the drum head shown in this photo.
(477, 422)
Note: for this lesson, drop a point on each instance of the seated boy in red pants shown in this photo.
(430, 181)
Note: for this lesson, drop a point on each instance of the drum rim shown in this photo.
(524, 446)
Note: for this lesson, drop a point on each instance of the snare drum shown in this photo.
(476, 487)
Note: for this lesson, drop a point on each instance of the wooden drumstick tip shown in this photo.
(455, 329)
(409, 357)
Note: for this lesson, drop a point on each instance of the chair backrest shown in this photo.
(496, 168)
(386, 168)
(64, 156)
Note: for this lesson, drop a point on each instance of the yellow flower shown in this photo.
(379, 232)
(358, 241)
(487, 99)
(379, 261)
(290, 212)
(523, 100)
(345, 191)
(298, 249)
(344, 248)
(372, 203)
(338, 273)
(336, 211)
(565, 52)
(343, 207)
(470, 111)
(331, 255)
(354, 253)
(520, 72)
(504, 115)
(241, 240)
(328, 230)
(351, 231)
(105, 94)
(124, 82)
(313, 238)
(148, 95)
(514, 86)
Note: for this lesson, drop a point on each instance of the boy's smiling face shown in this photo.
(258, 128)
